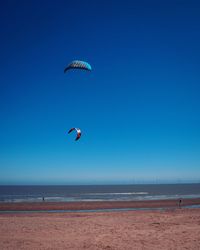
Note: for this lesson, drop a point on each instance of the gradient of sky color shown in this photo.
(139, 109)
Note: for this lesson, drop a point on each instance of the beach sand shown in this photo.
(34, 206)
(171, 228)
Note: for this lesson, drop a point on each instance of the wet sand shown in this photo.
(167, 229)
(45, 206)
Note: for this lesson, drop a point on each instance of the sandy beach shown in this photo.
(171, 228)
(93, 205)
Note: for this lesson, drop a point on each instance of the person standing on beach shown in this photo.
(179, 203)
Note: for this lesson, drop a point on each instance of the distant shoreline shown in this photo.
(95, 205)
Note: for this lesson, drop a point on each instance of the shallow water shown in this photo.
(98, 192)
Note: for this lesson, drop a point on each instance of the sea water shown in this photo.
(77, 193)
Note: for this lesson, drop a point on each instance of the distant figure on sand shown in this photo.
(43, 198)
(179, 203)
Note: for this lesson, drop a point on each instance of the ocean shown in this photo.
(69, 193)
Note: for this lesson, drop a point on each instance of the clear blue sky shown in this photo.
(139, 109)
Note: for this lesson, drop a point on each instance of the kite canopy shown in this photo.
(78, 65)
(78, 132)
